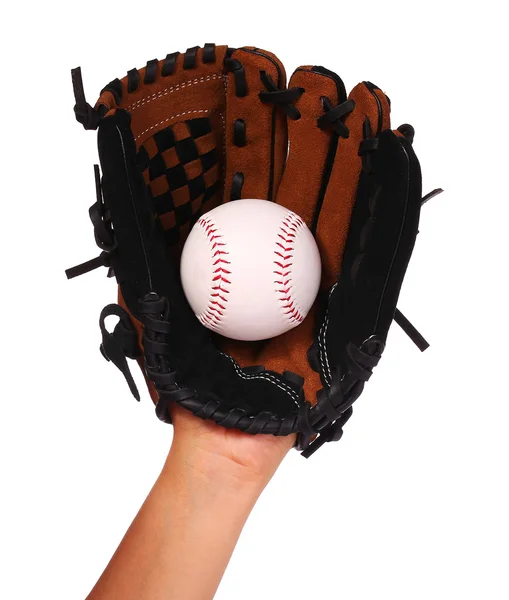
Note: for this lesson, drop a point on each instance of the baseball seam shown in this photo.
(214, 312)
(283, 250)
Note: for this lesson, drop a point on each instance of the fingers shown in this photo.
(304, 181)
(323, 168)
(368, 117)
(319, 184)
(311, 150)
(256, 138)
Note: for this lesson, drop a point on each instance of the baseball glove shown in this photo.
(216, 124)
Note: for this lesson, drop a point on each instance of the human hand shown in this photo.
(194, 514)
(217, 453)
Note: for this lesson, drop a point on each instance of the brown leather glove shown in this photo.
(216, 124)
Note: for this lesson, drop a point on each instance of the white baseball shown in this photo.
(250, 269)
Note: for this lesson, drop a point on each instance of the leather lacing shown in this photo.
(334, 403)
(122, 343)
(232, 65)
(85, 114)
(334, 116)
(154, 314)
(103, 234)
(90, 117)
(282, 98)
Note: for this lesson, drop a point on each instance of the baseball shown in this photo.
(250, 269)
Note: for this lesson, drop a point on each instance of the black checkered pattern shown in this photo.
(180, 165)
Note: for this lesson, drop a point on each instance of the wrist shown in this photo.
(207, 471)
(230, 459)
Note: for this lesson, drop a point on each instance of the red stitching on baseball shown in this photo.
(289, 227)
(283, 247)
(215, 309)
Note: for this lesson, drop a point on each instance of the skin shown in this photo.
(181, 540)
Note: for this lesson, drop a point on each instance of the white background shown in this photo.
(413, 502)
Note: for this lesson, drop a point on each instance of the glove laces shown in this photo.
(281, 98)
